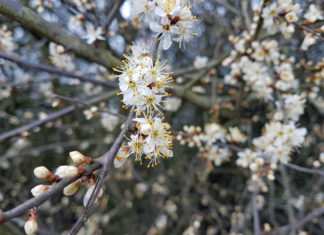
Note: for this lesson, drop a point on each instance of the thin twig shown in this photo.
(51, 117)
(77, 101)
(292, 227)
(256, 218)
(57, 71)
(306, 29)
(112, 14)
(304, 169)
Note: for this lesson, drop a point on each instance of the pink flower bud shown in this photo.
(42, 172)
(72, 188)
(31, 225)
(89, 193)
(67, 171)
(39, 189)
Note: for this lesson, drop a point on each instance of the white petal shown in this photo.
(156, 27)
(166, 41)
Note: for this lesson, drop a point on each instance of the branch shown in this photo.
(256, 218)
(53, 70)
(306, 29)
(291, 227)
(304, 169)
(36, 201)
(107, 159)
(260, 21)
(112, 14)
(51, 117)
(33, 22)
(191, 69)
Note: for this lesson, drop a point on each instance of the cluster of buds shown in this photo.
(65, 171)
(68, 171)
(31, 225)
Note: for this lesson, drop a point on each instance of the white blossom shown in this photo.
(93, 34)
(313, 14)
(200, 62)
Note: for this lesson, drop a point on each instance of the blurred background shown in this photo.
(187, 194)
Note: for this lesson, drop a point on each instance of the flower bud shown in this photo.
(42, 172)
(39, 189)
(31, 225)
(72, 188)
(79, 158)
(121, 156)
(67, 171)
(89, 193)
(146, 129)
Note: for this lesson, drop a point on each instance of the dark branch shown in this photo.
(51, 117)
(53, 70)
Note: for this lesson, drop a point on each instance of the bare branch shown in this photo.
(291, 227)
(304, 169)
(53, 70)
(112, 14)
(51, 117)
(256, 218)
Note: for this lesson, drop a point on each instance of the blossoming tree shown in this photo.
(220, 101)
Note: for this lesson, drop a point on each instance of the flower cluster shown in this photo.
(6, 42)
(279, 16)
(143, 84)
(282, 15)
(167, 18)
(293, 106)
(152, 138)
(213, 141)
(253, 65)
(60, 58)
(277, 143)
